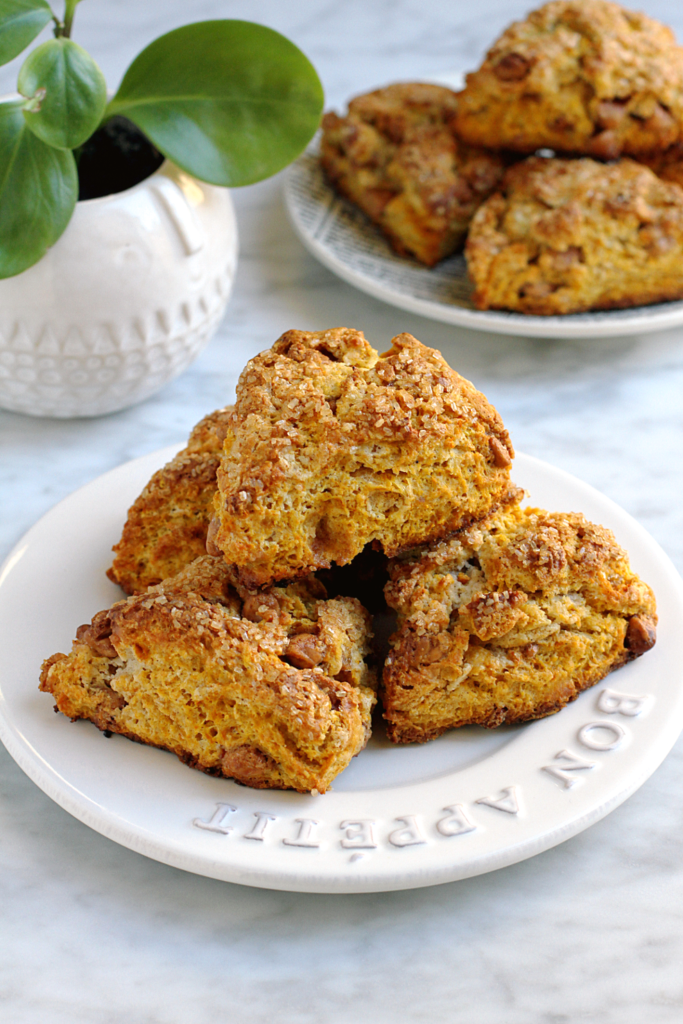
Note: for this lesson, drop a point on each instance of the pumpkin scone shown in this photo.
(577, 76)
(509, 621)
(667, 165)
(395, 155)
(333, 447)
(270, 689)
(565, 236)
(166, 526)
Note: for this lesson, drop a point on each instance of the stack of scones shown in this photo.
(342, 485)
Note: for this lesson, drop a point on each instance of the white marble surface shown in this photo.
(590, 931)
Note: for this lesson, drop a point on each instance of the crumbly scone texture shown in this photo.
(271, 689)
(333, 447)
(577, 76)
(509, 622)
(565, 236)
(667, 165)
(166, 526)
(397, 157)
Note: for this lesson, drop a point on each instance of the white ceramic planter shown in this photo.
(122, 303)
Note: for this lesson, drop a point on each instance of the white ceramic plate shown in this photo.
(470, 802)
(349, 245)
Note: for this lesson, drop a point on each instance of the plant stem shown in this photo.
(69, 11)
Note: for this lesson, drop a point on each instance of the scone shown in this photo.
(395, 155)
(270, 689)
(577, 76)
(564, 236)
(667, 165)
(509, 622)
(333, 447)
(166, 526)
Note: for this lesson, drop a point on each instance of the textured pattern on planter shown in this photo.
(124, 301)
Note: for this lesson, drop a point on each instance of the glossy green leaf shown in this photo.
(20, 22)
(228, 101)
(38, 192)
(67, 93)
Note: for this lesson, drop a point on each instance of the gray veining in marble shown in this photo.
(591, 931)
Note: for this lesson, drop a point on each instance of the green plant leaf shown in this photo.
(67, 93)
(228, 101)
(38, 192)
(20, 22)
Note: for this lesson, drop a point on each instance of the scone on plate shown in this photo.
(270, 689)
(166, 526)
(333, 447)
(509, 622)
(395, 155)
(577, 76)
(564, 236)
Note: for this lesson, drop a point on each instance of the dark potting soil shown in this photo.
(115, 158)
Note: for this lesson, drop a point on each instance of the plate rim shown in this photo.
(176, 853)
(607, 323)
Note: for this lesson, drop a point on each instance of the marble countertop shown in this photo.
(589, 931)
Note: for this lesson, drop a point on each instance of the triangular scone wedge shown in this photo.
(395, 155)
(566, 236)
(577, 76)
(333, 447)
(509, 621)
(271, 689)
(167, 525)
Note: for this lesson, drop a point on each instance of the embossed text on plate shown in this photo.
(564, 763)
(614, 703)
(359, 834)
(409, 835)
(456, 823)
(258, 830)
(590, 735)
(305, 835)
(508, 800)
(216, 822)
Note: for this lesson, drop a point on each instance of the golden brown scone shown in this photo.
(581, 76)
(667, 165)
(166, 526)
(509, 621)
(395, 155)
(564, 236)
(270, 689)
(333, 447)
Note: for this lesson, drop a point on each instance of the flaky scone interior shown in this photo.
(166, 526)
(509, 621)
(271, 688)
(333, 446)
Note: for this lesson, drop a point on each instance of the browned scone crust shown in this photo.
(667, 165)
(270, 689)
(333, 447)
(565, 236)
(167, 525)
(579, 76)
(396, 156)
(509, 621)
